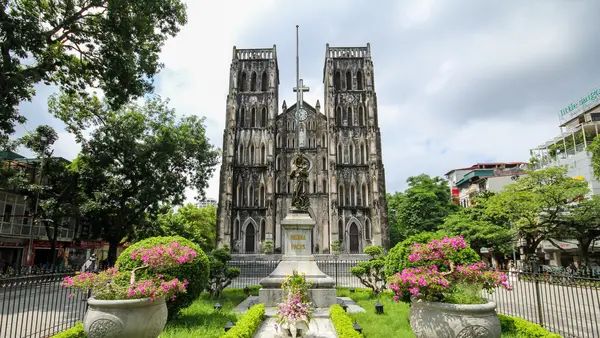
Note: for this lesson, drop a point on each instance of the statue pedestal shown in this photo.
(297, 232)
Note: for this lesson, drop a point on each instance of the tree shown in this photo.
(478, 228)
(372, 272)
(536, 204)
(422, 207)
(112, 45)
(139, 160)
(54, 193)
(594, 149)
(194, 223)
(221, 275)
(582, 222)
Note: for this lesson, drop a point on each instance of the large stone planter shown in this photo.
(442, 320)
(132, 318)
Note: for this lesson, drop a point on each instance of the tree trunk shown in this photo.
(52, 240)
(112, 250)
(584, 245)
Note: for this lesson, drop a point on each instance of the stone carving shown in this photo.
(105, 327)
(299, 175)
(475, 331)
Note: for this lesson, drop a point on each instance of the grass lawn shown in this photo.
(392, 323)
(201, 320)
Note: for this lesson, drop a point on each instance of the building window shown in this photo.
(262, 230)
(263, 82)
(7, 213)
(348, 80)
(264, 117)
(340, 154)
(337, 81)
(350, 117)
(253, 118)
(338, 116)
(253, 82)
(359, 80)
(324, 186)
(341, 230)
(361, 116)
(242, 86)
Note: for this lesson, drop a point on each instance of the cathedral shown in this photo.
(341, 140)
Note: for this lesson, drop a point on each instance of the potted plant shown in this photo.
(294, 312)
(268, 246)
(446, 298)
(122, 306)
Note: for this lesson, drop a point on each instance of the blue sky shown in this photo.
(458, 82)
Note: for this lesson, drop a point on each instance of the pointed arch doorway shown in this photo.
(353, 234)
(250, 238)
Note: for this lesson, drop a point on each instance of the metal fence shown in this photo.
(562, 303)
(37, 306)
(252, 272)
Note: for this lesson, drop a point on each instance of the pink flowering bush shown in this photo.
(113, 284)
(295, 306)
(438, 278)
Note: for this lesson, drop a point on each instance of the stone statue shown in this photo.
(299, 175)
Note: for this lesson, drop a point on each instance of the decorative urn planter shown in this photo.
(437, 320)
(131, 318)
(295, 330)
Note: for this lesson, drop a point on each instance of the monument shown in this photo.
(298, 229)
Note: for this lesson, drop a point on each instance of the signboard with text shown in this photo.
(579, 107)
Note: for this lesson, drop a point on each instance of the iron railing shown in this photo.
(562, 303)
(37, 306)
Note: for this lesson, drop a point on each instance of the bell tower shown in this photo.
(246, 192)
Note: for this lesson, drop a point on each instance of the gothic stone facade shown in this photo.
(342, 143)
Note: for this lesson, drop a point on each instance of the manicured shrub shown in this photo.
(221, 275)
(196, 272)
(397, 258)
(524, 329)
(74, 332)
(372, 272)
(343, 323)
(248, 323)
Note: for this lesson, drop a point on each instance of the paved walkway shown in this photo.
(320, 325)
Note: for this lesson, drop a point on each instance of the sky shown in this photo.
(457, 82)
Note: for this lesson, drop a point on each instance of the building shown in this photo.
(466, 183)
(579, 125)
(341, 140)
(207, 202)
(19, 232)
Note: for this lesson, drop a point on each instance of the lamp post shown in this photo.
(217, 306)
(228, 326)
(36, 206)
(357, 327)
(378, 308)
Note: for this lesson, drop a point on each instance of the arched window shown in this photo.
(342, 195)
(324, 186)
(263, 154)
(242, 117)
(368, 228)
(348, 80)
(263, 117)
(364, 196)
(361, 116)
(250, 196)
(253, 82)
(352, 157)
(236, 229)
(289, 187)
(338, 116)
(243, 82)
(323, 141)
(278, 163)
(253, 118)
(337, 80)
(340, 154)
(359, 80)
(262, 230)
(323, 163)
(350, 117)
(261, 196)
(352, 195)
(238, 196)
(340, 230)
(277, 186)
(279, 141)
(314, 187)
(264, 85)
(362, 154)
(240, 154)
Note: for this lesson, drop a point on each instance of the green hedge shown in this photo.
(74, 332)
(524, 329)
(248, 323)
(343, 323)
(196, 273)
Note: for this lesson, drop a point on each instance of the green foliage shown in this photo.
(594, 149)
(536, 203)
(247, 325)
(478, 228)
(196, 224)
(462, 293)
(112, 45)
(342, 323)
(336, 247)
(195, 273)
(372, 272)
(268, 246)
(221, 275)
(422, 207)
(582, 223)
(140, 159)
(397, 258)
(523, 328)
(74, 332)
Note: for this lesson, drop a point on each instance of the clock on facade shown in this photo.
(301, 114)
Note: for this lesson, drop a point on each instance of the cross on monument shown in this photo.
(299, 98)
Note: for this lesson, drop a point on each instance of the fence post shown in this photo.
(538, 297)
(336, 271)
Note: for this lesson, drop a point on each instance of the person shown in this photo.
(90, 264)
